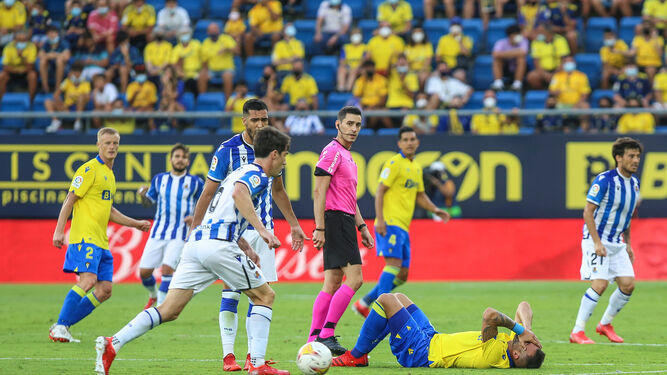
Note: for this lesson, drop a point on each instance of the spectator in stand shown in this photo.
(604, 123)
(157, 55)
(655, 12)
(642, 122)
(171, 93)
(217, 59)
(351, 56)
(300, 85)
(88, 7)
(73, 94)
(75, 24)
(142, 96)
(123, 58)
(632, 84)
(235, 104)
(267, 82)
(333, 22)
(547, 51)
(53, 56)
(235, 26)
(103, 95)
(509, 59)
(40, 19)
(422, 124)
(398, 13)
(607, 8)
(103, 25)
(547, 123)
(12, 19)
(287, 51)
(450, 7)
(613, 54)
(138, 21)
(491, 8)
(648, 48)
(561, 15)
(300, 124)
(266, 24)
(371, 90)
(18, 63)
(124, 125)
(571, 88)
(491, 122)
(172, 22)
(527, 16)
(454, 48)
(402, 87)
(419, 52)
(186, 56)
(94, 56)
(443, 89)
(383, 49)
(660, 88)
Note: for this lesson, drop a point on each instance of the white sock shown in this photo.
(228, 320)
(247, 325)
(617, 300)
(588, 303)
(260, 323)
(142, 323)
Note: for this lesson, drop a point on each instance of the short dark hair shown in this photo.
(268, 139)
(77, 66)
(536, 360)
(512, 29)
(179, 146)
(368, 63)
(253, 105)
(405, 129)
(348, 109)
(52, 28)
(625, 143)
(122, 36)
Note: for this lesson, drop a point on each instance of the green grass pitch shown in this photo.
(191, 345)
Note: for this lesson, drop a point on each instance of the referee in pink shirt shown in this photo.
(337, 219)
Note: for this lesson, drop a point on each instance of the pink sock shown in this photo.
(320, 309)
(341, 299)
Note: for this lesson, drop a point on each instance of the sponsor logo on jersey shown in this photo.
(78, 180)
(333, 163)
(385, 173)
(106, 195)
(214, 163)
(409, 184)
(255, 181)
(595, 189)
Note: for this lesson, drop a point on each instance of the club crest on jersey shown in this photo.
(636, 188)
(214, 162)
(255, 181)
(385, 173)
(595, 189)
(86, 170)
(78, 180)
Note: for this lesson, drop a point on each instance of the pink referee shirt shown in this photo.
(336, 160)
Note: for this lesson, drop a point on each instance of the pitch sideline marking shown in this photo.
(620, 372)
(610, 343)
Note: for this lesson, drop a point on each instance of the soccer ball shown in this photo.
(313, 358)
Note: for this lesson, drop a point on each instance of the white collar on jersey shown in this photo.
(618, 172)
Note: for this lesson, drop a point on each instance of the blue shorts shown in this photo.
(410, 342)
(395, 244)
(86, 257)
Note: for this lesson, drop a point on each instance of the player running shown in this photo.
(175, 193)
(415, 343)
(231, 155)
(606, 251)
(336, 215)
(216, 250)
(89, 201)
(401, 185)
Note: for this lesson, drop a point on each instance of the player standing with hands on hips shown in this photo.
(90, 201)
(336, 215)
(606, 251)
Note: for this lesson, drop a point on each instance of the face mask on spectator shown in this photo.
(234, 16)
(74, 79)
(213, 37)
(517, 39)
(102, 10)
(334, 3)
(455, 29)
(369, 73)
(489, 102)
(444, 73)
(356, 38)
(34, 12)
(631, 72)
(570, 66)
(297, 73)
(418, 37)
(609, 42)
(402, 69)
(21, 45)
(76, 12)
(385, 31)
(541, 37)
(393, 2)
(9, 3)
(290, 31)
(185, 38)
(54, 40)
(421, 103)
(141, 78)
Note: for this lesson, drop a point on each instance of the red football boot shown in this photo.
(105, 355)
(608, 330)
(360, 309)
(150, 303)
(265, 369)
(246, 367)
(348, 360)
(229, 363)
(580, 338)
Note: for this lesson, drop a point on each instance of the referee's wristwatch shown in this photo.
(361, 226)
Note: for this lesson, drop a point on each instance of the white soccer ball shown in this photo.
(313, 358)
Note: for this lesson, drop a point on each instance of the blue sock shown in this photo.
(149, 282)
(384, 285)
(164, 285)
(227, 303)
(373, 331)
(72, 299)
(85, 307)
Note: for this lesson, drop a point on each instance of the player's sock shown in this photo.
(260, 323)
(339, 302)
(85, 307)
(385, 284)
(228, 320)
(142, 323)
(149, 284)
(72, 300)
(588, 303)
(164, 288)
(373, 331)
(617, 301)
(247, 324)
(320, 310)
(397, 282)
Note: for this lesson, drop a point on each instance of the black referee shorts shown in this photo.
(340, 240)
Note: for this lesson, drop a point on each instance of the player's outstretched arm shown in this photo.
(243, 202)
(319, 204)
(285, 206)
(425, 202)
(210, 187)
(65, 212)
(492, 319)
(119, 218)
(524, 315)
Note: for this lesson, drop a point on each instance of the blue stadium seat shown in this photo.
(535, 99)
(305, 32)
(482, 72)
(366, 131)
(508, 99)
(38, 106)
(476, 100)
(311, 8)
(323, 69)
(627, 28)
(436, 28)
(331, 131)
(661, 130)
(598, 94)
(224, 132)
(591, 65)
(188, 100)
(32, 132)
(254, 67)
(335, 102)
(417, 9)
(196, 131)
(56, 8)
(496, 31)
(474, 29)
(387, 131)
(210, 101)
(195, 8)
(594, 34)
(200, 28)
(157, 4)
(14, 102)
(238, 65)
(526, 130)
(367, 27)
(219, 9)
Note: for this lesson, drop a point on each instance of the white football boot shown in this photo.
(60, 333)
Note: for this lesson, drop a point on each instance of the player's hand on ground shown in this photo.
(381, 228)
(631, 254)
(298, 236)
(58, 239)
(143, 225)
(529, 337)
(270, 239)
(444, 215)
(318, 239)
(600, 250)
(366, 238)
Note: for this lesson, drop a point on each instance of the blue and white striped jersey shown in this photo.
(176, 197)
(616, 198)
(222, 221)
(230, 156)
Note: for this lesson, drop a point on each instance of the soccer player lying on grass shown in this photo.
(415, 343)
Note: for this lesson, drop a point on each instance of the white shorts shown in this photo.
(159, 252)
(267, 256)
(616, 263)
(205, 261)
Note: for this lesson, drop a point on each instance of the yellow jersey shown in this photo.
(95, 185)
(260, 17)
(210, 53)
(491, 123)
(613, 55)
(657, 9)
(660, 86)
(72, 92)
(449, 48)
(234, 28)
(419, 56)
(528, 14)
(13, 16)
(466, 350)
(352, 54)
(138, 18)
(303, 88)
(550, 54)
(384, 51)
(191, 57)
(237, 122)
(649, 52)
(371, 92)
(397, 96)
(636, 123)
(11, 56)
(571, 87)
(141, 94)
(158, 53)
(398, 18)
(287, 49)
(404, 179)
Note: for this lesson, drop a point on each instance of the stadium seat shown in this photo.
(417, 9)
(590, 64)
(56, 8)
(38, 106)
(526, 130)
(594, 35)
(195, 8)
(138, 132)
(219, 9)
(305, 32)
(535, 99)
(335, 102)
(188, 100)
(196, 131)
(627, 28)
(508, 99)
(367, 27)
(366, 131)
(598, 94)
(224, 132)
(475, 30)
(436, 28)
(157, 4)
(476, 101)
(323, 69)
(387, 131)
(254, 67)
(661, 130)
(210, 101)
(311, 8)
(482, 72)
(14, 102)
(32, 132)
(496, 31)
(199, 32)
